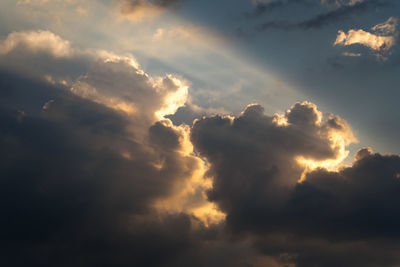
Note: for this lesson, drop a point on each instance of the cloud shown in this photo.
(138, 10)
(58, 11)
(315, 221)
(349, 54)
(322, 19)
(187, 33)
(82, 178)
(263, 7)
(88, 181)
(381, 40)
(368, 188)
(134, 92)
(386, 28)
(45, 55)
(32, 2)
(362, 37)
(36, 41)
(342, 2)
(267, 153)
(93, 173)
(77, 186)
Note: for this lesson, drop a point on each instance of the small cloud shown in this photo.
(50, 79)
(342, 2)
(47, 104)
(349, 54)
(386, 28)
(374, 42)
(139, 10)
(31, 2)
(381, 39)
(37, 41)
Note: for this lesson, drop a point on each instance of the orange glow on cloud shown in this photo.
(174, 99)
(189, 194)
(339, 140)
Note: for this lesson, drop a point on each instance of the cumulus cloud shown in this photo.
(36, 41)
(270, 152)
(317, 220)
(375, 42)
(45, 55)
(133, 91)
(382, 38)
(86, 183)
(94, 170)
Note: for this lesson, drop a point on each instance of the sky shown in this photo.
(199, 133)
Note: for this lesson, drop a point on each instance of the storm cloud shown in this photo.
(303, 221)
(101, 165)
(80, 173)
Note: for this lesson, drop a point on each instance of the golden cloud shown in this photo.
(380, 40)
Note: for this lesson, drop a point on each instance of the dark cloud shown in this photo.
(356, 203)
(270, 6)
(333, 215)
(77, 187)
(323, 19)
(188, 113)
(262, 8)
(312, 223)
(263, 154)
(76, 190)
(14, 93)
(83, 163)
(80, 175)
(318, 252)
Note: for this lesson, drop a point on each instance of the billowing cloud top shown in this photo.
(36, 41)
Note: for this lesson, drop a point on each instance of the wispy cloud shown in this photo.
(322, 19)
(139, 10)
(342, 2)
